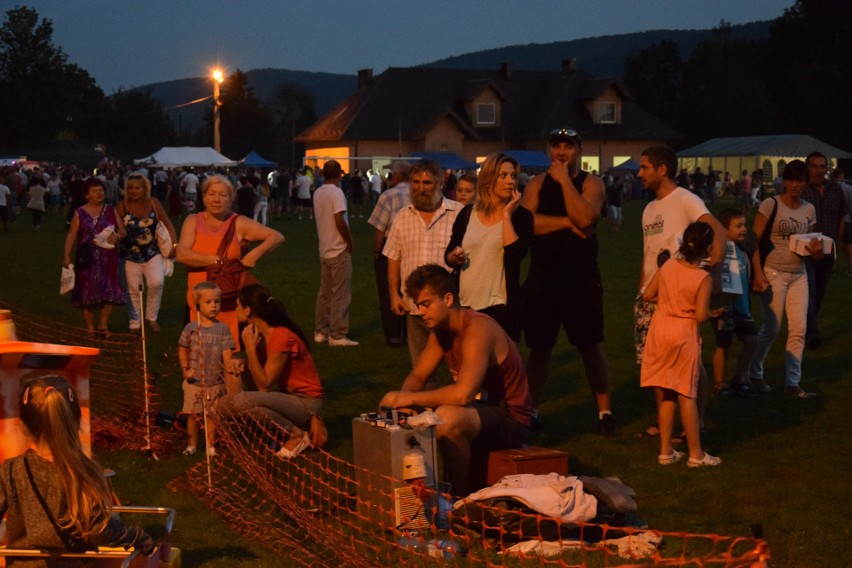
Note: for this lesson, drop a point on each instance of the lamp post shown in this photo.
(218, 77)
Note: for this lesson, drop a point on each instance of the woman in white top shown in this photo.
(781, 279)
(489, 241)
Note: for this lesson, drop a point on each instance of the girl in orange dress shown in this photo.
(672, 359)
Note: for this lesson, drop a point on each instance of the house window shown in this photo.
(606, 113)
(486, 114)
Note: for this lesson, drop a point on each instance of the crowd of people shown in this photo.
(449, 283)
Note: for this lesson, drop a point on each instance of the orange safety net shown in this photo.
(318, 510)
(321, 511)
(124, 405)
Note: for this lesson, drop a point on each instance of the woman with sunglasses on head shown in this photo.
(489, 241)
(94, 232)
(141, 213)
(54, 496)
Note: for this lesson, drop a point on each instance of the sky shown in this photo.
(128, 43)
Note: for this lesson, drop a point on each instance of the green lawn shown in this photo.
(781, 465)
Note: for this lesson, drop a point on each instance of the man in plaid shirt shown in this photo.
(827, 198)
(419, 235)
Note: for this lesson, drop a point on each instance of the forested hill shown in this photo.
(599, 56)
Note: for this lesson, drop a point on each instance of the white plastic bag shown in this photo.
(66, 282)
(164, 240)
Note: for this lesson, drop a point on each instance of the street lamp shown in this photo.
(218, 77)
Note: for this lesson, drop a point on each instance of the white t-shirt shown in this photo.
(376, 183)
(303, 187)
(663, 223)
(329, 200)
(482, 282)
(190, 183)
(5, 192)
(787, 222)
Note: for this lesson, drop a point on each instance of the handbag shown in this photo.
(319, 433)
(84, 255)
(229, 274)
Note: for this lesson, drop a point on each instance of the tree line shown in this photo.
(44, 98)
(796, 81)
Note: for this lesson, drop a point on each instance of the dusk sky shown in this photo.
(128, 43)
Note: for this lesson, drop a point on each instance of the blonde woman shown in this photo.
(202, 232)
(54, 496)
(489, 241)
(141, 214)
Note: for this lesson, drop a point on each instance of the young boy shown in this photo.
(737, 317)
(204, 351)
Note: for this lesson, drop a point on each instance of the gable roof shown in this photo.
(407, 102)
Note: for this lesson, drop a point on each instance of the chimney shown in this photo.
(506, 69)
(365, 77)
(569, 65)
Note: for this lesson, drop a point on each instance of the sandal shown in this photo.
(706, 461)
(287, 454)
(673, 457)
(103, 331)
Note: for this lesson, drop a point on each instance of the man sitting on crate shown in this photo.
(488, 405)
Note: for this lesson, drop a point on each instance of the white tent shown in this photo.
(175, 157)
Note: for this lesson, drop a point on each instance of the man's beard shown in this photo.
(428, 202)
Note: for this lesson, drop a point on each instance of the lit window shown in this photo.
(606, 113)
(486, 113)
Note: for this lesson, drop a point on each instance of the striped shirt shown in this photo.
(413, 243)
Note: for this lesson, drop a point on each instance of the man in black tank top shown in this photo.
(564, 286)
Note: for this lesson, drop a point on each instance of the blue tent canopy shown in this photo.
(254, 160)
(529, 158)
(447, 160)
(630, 165)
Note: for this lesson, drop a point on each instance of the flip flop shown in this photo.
(103, 332)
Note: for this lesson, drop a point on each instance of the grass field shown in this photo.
(784, 459)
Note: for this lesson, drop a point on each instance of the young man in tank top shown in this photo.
(563, 287)
(488, 404)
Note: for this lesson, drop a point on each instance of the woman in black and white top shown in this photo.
(489, 240)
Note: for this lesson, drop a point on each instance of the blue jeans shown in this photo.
(787, 292)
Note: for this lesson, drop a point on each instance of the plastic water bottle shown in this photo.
(445, 549)
(443, 507)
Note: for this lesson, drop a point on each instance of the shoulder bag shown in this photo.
(229, 274)
(765, 245)
(84, 256)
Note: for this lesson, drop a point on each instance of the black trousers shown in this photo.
(393, 325)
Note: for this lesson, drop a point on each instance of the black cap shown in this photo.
(565, 135)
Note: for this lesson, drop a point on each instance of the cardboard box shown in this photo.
(531, 459)
(799, 243)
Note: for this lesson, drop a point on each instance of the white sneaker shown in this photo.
(342, 342)
(189, 451)
(320, 337)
